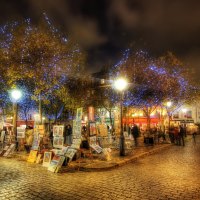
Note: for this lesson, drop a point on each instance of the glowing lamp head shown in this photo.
(16, 94)
(169, 104)
(120, 84)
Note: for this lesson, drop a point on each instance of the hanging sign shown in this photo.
(91, 113)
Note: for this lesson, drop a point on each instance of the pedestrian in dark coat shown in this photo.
(135, 134)
(68, 134)
(181, 135)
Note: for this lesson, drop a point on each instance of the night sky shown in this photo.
(105, 28)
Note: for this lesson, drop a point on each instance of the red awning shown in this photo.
(141, 120)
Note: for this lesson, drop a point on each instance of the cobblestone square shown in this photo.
(173, 173)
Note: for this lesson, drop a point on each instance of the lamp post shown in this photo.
(120, 85)
(15, 95)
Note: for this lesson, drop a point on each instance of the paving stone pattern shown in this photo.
(173, 173)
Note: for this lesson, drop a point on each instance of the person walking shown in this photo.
(181, 135)
(176, 135)
(68, 134)
(135, 134)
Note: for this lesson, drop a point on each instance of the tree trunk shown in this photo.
(40, 110)
(148, 122)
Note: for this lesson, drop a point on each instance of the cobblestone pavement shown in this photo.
(173, 173)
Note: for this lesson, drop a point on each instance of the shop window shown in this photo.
(189, 114)
(176, 115)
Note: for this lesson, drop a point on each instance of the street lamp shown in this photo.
(169, 104)
(15, 95)
(120, 85)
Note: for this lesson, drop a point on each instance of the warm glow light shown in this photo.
(16, 94)
(120, 84)
(36, 116)
(184, 110)
(169, 103)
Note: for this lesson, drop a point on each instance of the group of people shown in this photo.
(177, 135)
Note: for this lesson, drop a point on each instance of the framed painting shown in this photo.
(58, 142)
(47, 158)
(92, 128)
(32, 156)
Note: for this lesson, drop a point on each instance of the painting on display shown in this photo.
(39, 158)
(10, 150)
(36, 141)
(40, 129)
(76, 143)
(60, 163)
(58, 142)
(47, 158)
(55, 163)
(32, 156)
(93, 140)
(58, 131)
(70, 153)
(21, 132)
(96, 147)
(76, 129)
(92, 128)
(79, 114)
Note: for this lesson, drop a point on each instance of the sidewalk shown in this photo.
(116, 160)
(92, 164)
(97, 162)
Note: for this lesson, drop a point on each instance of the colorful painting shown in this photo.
(58, 142)
(96, 147)
(93, 130)
(76, 143)
(79, 114)
(76, 129)
(47, 158)
(54, 163)
(32, 156)
(58, 131)
(70, 153)
(60, 163)
(55, 130)
(39, 158)
(93, 140)
(36, 141)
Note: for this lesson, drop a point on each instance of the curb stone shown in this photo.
(110, 166)
(126, 161)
